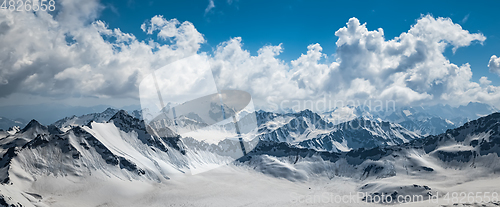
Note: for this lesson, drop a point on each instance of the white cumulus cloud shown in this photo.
(38, 59)
(74, 54)
(494, 64)
(410, 69)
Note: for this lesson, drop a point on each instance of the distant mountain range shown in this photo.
(49, 113)
(362, 128)
(6, 123)
(294, 146)
(308, 129)
(429, 120)
(83, 120)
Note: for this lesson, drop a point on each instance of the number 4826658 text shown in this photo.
(28, 5)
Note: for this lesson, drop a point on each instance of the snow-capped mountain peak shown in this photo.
(360, 133)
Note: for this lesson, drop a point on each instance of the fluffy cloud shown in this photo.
(73, 54)
(410, 69)
(484, 81)
(494, 64)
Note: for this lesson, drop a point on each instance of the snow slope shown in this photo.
(117, 163)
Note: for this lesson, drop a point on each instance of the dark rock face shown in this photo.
(361, 133)
(488, 126)
(4, 199)
(461, 156)
(299, 123)
(33, 124)
(146, 134)
(126, 122)
(373, 169)
(130, 166)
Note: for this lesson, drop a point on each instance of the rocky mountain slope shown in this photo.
(121, 148)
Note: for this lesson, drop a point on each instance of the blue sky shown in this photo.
(297, 24)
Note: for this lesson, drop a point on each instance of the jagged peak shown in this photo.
(126, 122)
(78, 130)
(110, 110)
(121, 115)
(33, 124)
(308, 114)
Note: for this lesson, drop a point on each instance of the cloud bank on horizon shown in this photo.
(72, 53)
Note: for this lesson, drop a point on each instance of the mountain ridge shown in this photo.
(122, 148)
